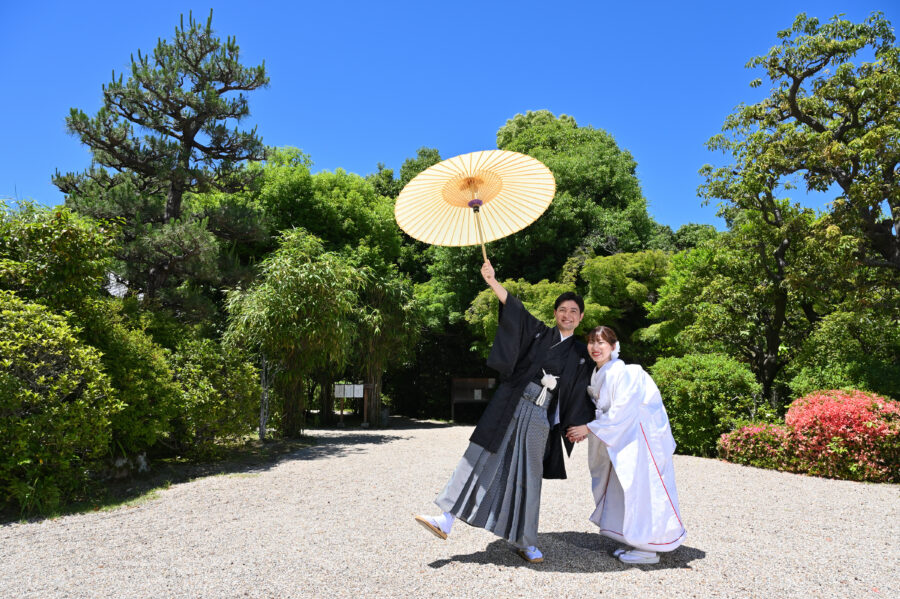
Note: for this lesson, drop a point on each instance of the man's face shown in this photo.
(568, 317)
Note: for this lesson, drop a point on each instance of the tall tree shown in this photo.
(740, 294)
(168, 123)
(832, 122)
(162, 134)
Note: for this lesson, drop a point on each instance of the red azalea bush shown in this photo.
(762, 445)
(850, 435)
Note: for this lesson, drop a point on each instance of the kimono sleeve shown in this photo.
(615, 426)
(516, 330)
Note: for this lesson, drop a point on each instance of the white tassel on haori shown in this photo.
(548, 381)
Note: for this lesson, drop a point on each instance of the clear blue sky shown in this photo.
(357, 83)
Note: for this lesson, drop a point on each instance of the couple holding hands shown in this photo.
(556, 391)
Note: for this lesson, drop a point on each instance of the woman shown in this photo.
(630, 449)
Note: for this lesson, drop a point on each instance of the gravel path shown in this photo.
(336, 520)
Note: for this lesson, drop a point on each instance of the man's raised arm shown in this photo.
(487, 271)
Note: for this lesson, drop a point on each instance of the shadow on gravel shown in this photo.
(250, 459)
(343, 445)
(571, 552)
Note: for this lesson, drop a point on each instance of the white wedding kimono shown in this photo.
(630, 459)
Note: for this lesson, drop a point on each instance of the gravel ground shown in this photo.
(336, 520)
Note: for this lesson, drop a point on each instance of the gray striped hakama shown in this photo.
(501, 492)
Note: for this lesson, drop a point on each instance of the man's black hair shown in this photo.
(569, 295)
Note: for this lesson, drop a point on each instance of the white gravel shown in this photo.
(336, 520)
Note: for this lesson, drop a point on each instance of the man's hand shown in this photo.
(577, 434)
(487, 272)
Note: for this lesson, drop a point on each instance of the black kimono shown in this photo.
(520, 348)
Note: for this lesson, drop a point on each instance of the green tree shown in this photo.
(624, 284)
(829, 122)
(297, 315)
(387, 328)
(737, 295)
(691, 235)
(162, 134)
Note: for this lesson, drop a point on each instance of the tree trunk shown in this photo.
(326, 399)
(265, 379)
(293, 394)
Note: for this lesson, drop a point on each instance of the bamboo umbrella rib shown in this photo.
(412, 218)
(456, 228)
(510, 218)
(423, 208)
(424, 216)
(496, 231)
(435, 224)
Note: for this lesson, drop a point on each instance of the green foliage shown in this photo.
(142, 378)
(831, 120)
(387, 323)
(52, 256)
(219, 395)
(745, 293)
(624, 284)
(705, 396)
(298, 315)
(598, 199)
(692, 235)
(160, 135)
(538, 299)
(173, 112)
(55, 406)
(850, 350)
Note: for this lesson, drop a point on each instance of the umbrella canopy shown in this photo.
(475, 198)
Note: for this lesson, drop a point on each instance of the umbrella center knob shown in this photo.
(472, 189)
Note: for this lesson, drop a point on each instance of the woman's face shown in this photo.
(600, 350)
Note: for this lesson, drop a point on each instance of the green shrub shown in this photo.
(53, 256)
(220, 393)
(140, 373)
(849, 351)
(55, 407)
(706, 395)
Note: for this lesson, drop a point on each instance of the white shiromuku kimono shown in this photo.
(630, 459)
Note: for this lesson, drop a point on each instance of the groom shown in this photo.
(518, 440)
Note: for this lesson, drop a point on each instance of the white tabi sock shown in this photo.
(445, 521)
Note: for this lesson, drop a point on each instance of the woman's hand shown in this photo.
(577, 434)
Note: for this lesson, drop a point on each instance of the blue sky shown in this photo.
(357, 83)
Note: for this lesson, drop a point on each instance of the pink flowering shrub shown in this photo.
(838, 434)
(762, 445)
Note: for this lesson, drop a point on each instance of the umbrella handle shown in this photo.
(476, 205)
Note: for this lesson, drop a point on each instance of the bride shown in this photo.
(630, 449)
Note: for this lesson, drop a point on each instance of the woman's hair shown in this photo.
(605, 333)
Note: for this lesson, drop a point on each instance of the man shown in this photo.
(517, 442)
